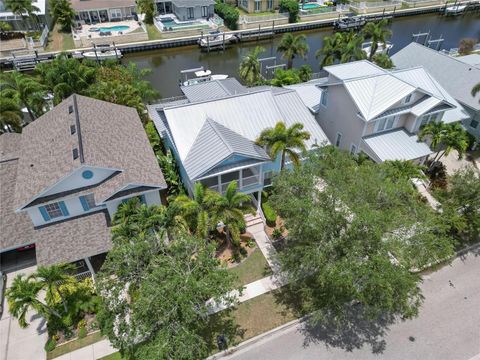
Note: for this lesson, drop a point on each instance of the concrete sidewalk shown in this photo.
(265, 245)
(94, 352)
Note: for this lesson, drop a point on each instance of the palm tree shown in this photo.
(331, 49)
(291, 46)
(22, 7)
(383, 60)
(377, 33)
(230, 209)
(196, 211)
(305, 73)
(283, 140)
(62, 13)
(22, 296)
(147, 7)
(125, 211)
(23, 88)
(454, 138)
(352, 48)
(249, 69)
(51, 277)
(435, 132)
(10, 115)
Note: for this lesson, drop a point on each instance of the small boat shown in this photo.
(367, 47)
(455, 10)
(202, 76)
(102, 54)
(215, 39)
(349, 23)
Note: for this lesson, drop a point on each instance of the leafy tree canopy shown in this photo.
(354, 235)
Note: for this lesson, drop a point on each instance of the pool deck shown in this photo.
(85, 31)
(190, 24)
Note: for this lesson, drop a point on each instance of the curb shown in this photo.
(256, 339)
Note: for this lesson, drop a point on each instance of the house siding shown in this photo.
(249, 5)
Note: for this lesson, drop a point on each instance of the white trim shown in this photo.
(231, 170)
(354, 148)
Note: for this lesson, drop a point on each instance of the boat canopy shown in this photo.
(202, 73)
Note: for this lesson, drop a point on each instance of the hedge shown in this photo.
(229, 14)
(270, 214)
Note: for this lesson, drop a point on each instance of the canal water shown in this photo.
(166, 64)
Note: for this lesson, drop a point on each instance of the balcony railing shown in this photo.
(243, 183)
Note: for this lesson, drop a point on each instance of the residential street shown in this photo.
(448, 327)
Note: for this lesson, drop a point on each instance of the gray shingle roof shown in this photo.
(395, 145)
(112, 136)
(457, 77)
(216, 143)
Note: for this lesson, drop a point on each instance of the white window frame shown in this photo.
(385, 122)
(204, 11)
(269, 4)
(338, 139)
(258, 6)
(324, 98)
(353, 149)
(54, 210)
(115, 13)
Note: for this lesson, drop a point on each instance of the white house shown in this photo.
(64, 176)
(364, 108)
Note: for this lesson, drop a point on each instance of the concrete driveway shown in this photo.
(17, 343)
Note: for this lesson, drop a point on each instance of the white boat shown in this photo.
(455, 9)
(367, 47)
(216, 39)
(202, 76)
(102, 54)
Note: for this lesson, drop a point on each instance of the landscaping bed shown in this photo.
(75, 344)
(232, 255)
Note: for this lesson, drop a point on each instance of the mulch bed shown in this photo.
(226, 250)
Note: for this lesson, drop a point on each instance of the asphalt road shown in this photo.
(447, 328)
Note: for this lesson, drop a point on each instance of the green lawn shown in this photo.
(153, 33)
(253, 268)
(114, 356)
(74, 345)
(58, 41)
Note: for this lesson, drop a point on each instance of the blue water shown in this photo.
(114, 28)
(311, 6)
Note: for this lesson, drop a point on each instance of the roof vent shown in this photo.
(70, 109)
(73, 129)
(75, 153)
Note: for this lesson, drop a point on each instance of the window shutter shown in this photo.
(63, 208)
(44, 213)
(84, 203)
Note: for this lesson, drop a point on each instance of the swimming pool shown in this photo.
(169, 22)
(311, 6)
(114, 28)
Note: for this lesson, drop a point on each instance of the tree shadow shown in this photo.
(42, 325)
(222, 323)
(353, 330)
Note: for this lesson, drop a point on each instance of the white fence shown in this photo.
(377, 4)
(260, 18)
(42, 40)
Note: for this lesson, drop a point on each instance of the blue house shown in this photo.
(212, 132)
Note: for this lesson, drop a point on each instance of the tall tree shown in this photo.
(292, 46)
(23, 88)
(155, 296)
(23, 8)
(285, 141)
(23, 296)
(62, 13)
(434, 131)
(331, 49)
(64, 76)
(51, 277)
(476, 90)
(352, 47)
(377, 33)
(347, 241)
(230, 208)
(196, 210)
(454, 138)
(383, 60)
(10, 115)
(147, 7)
(249, 69)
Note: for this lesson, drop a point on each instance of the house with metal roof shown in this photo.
(364, 108)
(457, 75)
(64, 176)
(213, 139)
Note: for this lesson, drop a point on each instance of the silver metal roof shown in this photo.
(472, 59)
(310, 93)
(214, 89)
(457, 77)
(354, 69)
(395, 145)
(214, 144)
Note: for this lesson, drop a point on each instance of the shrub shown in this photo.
(270, 214)
(68, 334)
(277, 233)
(290, 6)
(243, 251)
(250, 243)
(466, 46)
(50, 345)
(82, 323)
(236, 257)
(82, 332)
(229, 14)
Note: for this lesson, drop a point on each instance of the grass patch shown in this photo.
(153, 33)
(74, 345)
(114, 356)
(255, 267)
(58, 40)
